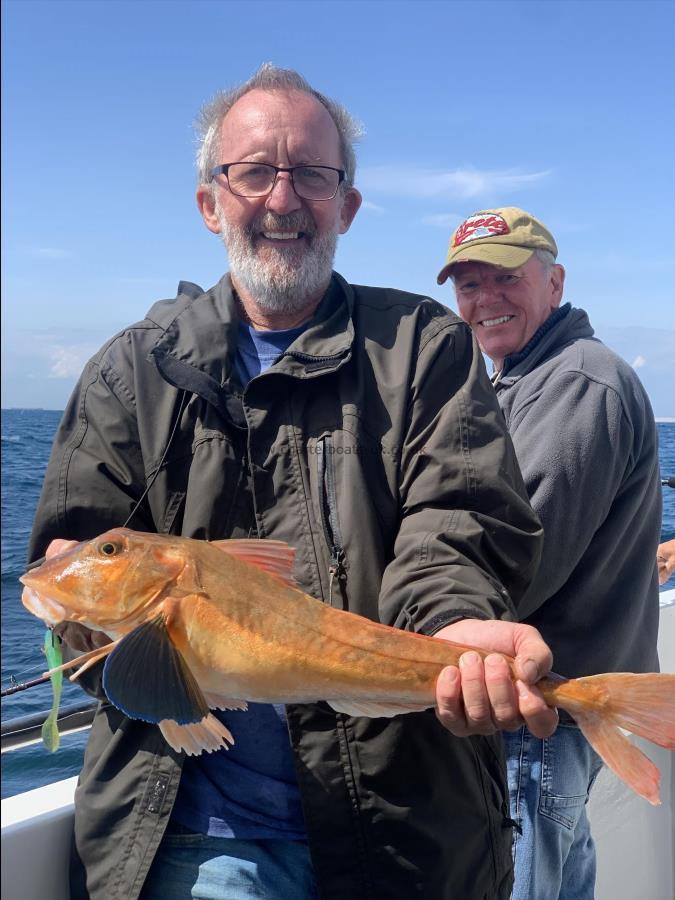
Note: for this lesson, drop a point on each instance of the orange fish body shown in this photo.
(203, 625)
(269, 642)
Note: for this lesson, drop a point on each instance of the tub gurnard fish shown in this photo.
(198, 625)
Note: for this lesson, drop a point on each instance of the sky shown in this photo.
(563, 108)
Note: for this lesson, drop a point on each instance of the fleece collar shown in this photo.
(564, 325)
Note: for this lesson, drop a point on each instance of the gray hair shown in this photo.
(271, 78)
(545, 257)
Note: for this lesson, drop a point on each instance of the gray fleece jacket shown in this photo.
(587, 445)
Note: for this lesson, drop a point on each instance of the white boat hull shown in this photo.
(36, 830)
(635, 841)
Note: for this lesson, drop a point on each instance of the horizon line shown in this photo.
(659, 419)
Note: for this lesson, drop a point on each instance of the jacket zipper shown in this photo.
(329, 516)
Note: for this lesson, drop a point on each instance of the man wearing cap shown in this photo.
(586, 442)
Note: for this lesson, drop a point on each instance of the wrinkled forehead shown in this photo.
(261, 120)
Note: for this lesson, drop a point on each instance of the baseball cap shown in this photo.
(501, 237)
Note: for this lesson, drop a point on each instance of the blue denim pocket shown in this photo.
(565, 775)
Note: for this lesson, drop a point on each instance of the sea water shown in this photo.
(27, 436)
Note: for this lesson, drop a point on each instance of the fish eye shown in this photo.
(108, 548)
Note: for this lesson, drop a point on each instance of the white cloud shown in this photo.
(142, 280)
(652, 347)
(655, 347)
(406, 181)
(443, 220)
(373, 207)
(68, 360)
(615, 261)
(50, 253)
(41, 366)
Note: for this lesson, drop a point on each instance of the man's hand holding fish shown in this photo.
(480, 696)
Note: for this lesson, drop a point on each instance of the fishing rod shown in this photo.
(668, 482)
(17, 686)
(25, 730)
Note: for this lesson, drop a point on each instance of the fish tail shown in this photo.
(602, 705)
(621, 756)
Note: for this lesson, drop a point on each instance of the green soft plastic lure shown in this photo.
(50, 730)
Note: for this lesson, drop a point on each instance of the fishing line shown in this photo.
(15, 686)
(24, 685)
(15, 675)
(181, 408)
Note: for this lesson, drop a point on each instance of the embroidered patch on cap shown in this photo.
(481, 225)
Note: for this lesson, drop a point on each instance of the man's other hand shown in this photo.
(665, 560)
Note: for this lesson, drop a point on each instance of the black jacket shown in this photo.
(376, 447)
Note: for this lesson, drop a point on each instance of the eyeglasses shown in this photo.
(249, 179)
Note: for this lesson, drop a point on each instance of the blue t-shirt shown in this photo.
(258, 350)
(249, 791)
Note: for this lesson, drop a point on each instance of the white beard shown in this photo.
(286, 279)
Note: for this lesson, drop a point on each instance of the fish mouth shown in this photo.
(43, 579)
(46, 608)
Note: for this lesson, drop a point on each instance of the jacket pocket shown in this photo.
(337, 572)
(173, 508)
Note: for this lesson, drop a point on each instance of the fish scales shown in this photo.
(307, 651)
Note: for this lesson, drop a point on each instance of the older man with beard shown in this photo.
(359, 425)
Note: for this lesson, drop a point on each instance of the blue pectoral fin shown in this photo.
(147, 678)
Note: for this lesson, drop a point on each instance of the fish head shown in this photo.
(113, 580)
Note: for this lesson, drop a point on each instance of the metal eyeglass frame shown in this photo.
(222, 170)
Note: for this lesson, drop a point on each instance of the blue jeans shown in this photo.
(549, 783)
(189, 865)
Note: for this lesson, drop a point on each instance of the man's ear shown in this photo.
(557, 284)
(350, 206)
(207, 207)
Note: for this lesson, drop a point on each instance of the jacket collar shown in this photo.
(195, 351)
(326, 344)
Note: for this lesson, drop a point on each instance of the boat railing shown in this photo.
(26, 730)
